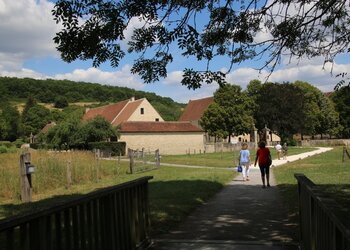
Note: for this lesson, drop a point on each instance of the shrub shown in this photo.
(18, 143)
(61, 102)
(6, 144)
(116, 148)
(291, 142)
(37, 145)
(3, 149)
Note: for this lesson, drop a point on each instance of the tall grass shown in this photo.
(51, 171)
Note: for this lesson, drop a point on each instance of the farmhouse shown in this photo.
(141, 126)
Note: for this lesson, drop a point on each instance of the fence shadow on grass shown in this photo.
(339, 192)
(8, 210)
(172, 201)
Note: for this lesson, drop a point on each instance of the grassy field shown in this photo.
(326, 170)
(222, 160)
(174, 192)
(51, 171)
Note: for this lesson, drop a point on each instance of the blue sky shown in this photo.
(27, 50)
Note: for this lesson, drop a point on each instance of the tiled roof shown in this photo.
(47, 127)
(128, 110)
(160, 127)
(195, 109)
(109, 112)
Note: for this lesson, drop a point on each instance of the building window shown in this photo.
(142, 111)
(157, 119)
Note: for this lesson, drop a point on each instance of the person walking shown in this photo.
(278, 147)
(244, 161)
(284, 151)
(263, 156)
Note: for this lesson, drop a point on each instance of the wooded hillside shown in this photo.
(49, 90)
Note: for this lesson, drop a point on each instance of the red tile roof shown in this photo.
(160, 127)
(195, 109)
(109, 112)
(115, 113)
(128, 110)
(47, 127)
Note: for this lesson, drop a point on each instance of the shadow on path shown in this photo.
(241, 213)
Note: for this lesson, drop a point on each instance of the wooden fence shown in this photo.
(346, 154)
(142, 160)
(111, 218)
(324, 225)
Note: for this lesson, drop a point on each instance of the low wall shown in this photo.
(327, 142)
(225, 147)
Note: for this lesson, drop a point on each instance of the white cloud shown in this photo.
(22, 73)
(121, 78)
(312, 72)
(173, 78)
(134, 23)
(26, 31)
(205, 91)
(243, 76)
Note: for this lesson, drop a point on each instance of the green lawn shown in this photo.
(176, 192)
(326, 170)
(222, 160)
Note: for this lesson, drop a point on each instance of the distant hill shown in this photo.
(47, 91)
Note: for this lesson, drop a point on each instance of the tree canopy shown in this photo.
(72, 132)
(9, 122)
(318, 113)
(341, 98)
(280, 109)
(230, 114)
(51, 91)
(235, 30)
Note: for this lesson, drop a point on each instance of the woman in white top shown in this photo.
(244, 161)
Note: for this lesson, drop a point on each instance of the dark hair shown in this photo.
(262, 144)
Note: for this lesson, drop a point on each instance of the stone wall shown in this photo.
(225, 147)
(327, 142)
(168, 143)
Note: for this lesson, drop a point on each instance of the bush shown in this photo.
(6, 144)
(18, 143)
(116, 148)
(34, 145)
(61, 102)
(3, 149)
(291, 142)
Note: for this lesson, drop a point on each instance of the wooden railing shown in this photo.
(111, 218)
(323, 223)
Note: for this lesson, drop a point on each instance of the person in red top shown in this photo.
(264, 157)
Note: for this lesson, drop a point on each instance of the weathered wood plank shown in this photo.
(109, 219)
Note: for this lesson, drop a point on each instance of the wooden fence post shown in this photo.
(26, 179)
(97, 165)
(131, 157)
(118, 167)
(69, 173)
(345, 153)
(157, 158)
